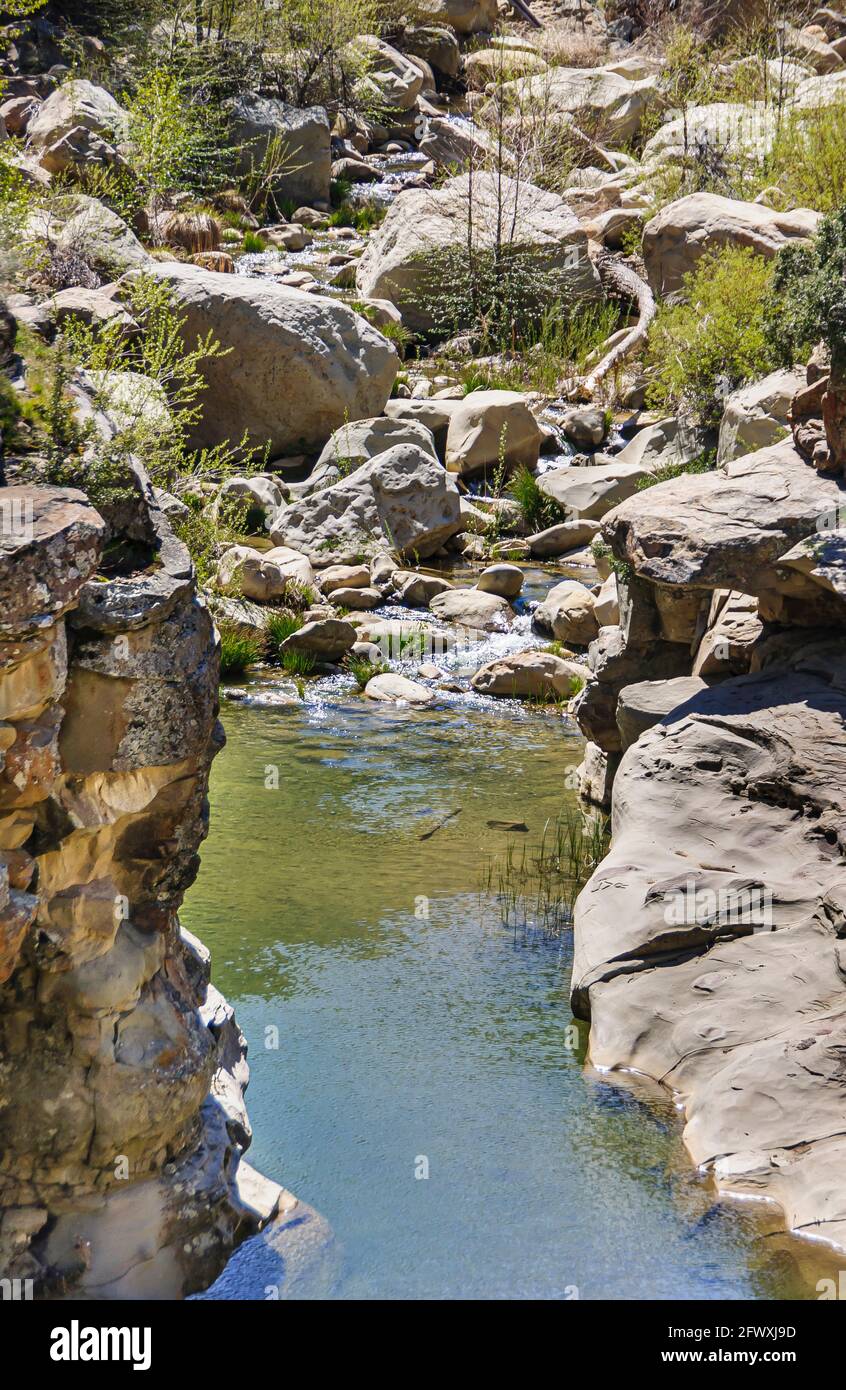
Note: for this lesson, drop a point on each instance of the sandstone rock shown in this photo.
(83, 226)
(528, 675)
(403, 498)
(567, 613)
(669, 441)
(394, 689)
(306, 171)
(358, 441)
(17, 112)
(724, 531)
(50, 543)
(606, 605)
(585, 426)
(489, 427)
(734, 629)
(358, 599)
(391, 79)
(298, 364)
(614, 98)
(262, 575)
(561, 538)
(93, 307)
(425, 229)
(643, 705)
(436, 44)
(464, 16)
(260, 497)
(757, 415)
(473, 609)
(77, 103)
(435, 415)
(344, 577)
(596, 775)
(674, 240)
(717, 912)
(329, 639)
(586, 494)
(486, 65)
(503, 579)
(417, 590)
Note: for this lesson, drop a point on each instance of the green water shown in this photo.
(410, 1030)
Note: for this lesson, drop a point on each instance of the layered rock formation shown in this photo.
(709, 943)
(122, 1070)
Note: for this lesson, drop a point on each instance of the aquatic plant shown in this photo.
(279, 626)
(238, 650)
(535, 886)
(363, 669)
(539, 511)
(297, 663)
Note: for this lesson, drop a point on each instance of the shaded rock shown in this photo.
(646, 703)
(503, 579)
(307, 167)
(329, 639)
(757, 415)
(567, 613)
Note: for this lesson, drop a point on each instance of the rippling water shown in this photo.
(412, 1037)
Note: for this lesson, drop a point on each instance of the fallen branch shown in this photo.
(619, 279)
(522, 8)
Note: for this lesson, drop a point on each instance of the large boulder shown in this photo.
(436, 45)
(757, 415)
(392, 81)
(674, 240)
(531, 675)
(586, 494)
(473, 609)
(77, 103)
(706, 943)
(403, 498)
(567, 614)
(709, 130)
(81, 227)
(489, 428)
(262, 576)
(358, 441)
(464, 16)
(643, 705)
(410, 260)
(614, 99)
(725, 530)
(297, 364)
(306, 168)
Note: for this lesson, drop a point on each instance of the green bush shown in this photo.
(808, 161)
(539, 511)
(807, 300)
(238, 650)
(706, 347)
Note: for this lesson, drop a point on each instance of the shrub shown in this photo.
(363, 669)
(807, 301)
(808, 161)
(703, 349)
(703, 463)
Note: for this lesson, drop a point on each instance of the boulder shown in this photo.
(74, 104)
(394, 689)
(93, 307)
(489, 428)
(304, 132)
(436, 45)
(674, 240)
(456, 142)
(435, 415)
(391, 82)
(724, 530)
(613, 99)
(260, 497)
(585, 426)
(328, 639)
(606, 604)
(358, 599)
(297, 364)
(671, 441)
(263, 576)
(733, 631)
(710, 129)
(403, 498)
(17, 112)
(473, 609)
(358, 441)
(410, 258)
(417, 590)
(567, 614)
(503, 579)
(531, 675)
(643, 705)
(344, 577)
(561, 538)
(486, 65)
(757, 415)
(586, 494)
(464, 16)
(81, 226)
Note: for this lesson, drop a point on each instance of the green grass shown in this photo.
(536, 886)
(364, 217)
(363, 669)
(253, 243)
(279, 626)
(297, 663)
(539, 511)
(238, 650)
(703, 463)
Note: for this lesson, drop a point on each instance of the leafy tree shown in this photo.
(807, 303)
